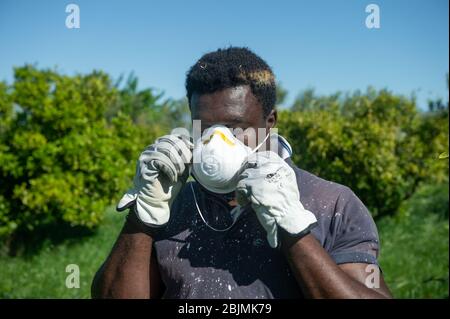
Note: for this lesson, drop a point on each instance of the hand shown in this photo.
(269, 184)
(161, 171)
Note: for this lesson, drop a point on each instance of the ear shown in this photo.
(271, 119)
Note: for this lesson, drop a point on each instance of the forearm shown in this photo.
(318, 275)
(126, 272)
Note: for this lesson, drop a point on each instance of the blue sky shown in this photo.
(320, 44)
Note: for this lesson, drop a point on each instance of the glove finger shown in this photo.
(269, 224)
(242, 172)
(177, 144)
(186, 146)
(127, 200)
(183, 178)
(169, 150)
(167, 169)
(177, 149)
(153, 162)
(272, 236)
(242, 195)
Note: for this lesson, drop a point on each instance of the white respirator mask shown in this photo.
(217, 158)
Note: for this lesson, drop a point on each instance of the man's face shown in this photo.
(235, 108)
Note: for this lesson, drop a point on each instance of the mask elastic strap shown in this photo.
(235, 213)
(260, 144)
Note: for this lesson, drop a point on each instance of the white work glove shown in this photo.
(269, 184)
(161, 171)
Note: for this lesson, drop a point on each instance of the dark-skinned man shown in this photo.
(252, 224)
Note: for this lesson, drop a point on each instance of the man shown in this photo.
(296, 235)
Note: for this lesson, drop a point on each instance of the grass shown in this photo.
(414, 254)
(414, 257)
(415, 245)
(43, 275)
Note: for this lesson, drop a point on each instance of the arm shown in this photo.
(320, 277)
(271, 186)
(131, 270)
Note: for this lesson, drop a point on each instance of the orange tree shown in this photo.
(377, 143)
(68, 146)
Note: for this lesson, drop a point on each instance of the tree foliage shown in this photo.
(68, 145)
(377, 143)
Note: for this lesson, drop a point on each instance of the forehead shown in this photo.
(227, 106)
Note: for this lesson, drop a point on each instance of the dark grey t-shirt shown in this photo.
(198, 262)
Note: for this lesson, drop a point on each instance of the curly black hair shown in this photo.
(231, 67)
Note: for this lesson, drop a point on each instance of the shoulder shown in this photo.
(313, 188)
(341, 215)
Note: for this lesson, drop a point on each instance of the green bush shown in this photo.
(377, 143)
(61, 161)
(68, 146)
